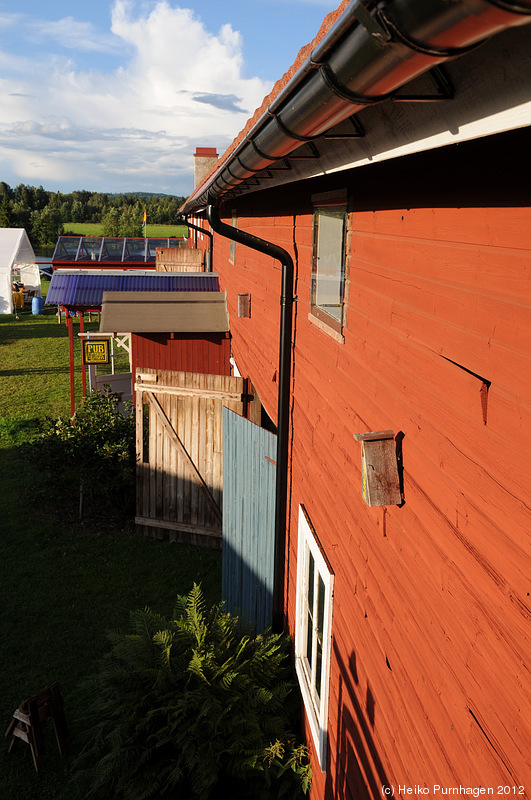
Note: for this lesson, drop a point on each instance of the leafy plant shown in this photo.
(96, 447)
(194, 707)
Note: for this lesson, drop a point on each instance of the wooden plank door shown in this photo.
(249, 469)
(180, 453)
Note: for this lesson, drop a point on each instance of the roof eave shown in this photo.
(332, 83)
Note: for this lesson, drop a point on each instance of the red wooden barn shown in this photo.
(382, 313)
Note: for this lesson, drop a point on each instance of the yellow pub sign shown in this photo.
(96, 351)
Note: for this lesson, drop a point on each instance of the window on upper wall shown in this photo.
(313, 631)
(328, 258)
(232, 251)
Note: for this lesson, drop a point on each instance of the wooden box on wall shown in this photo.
(379, 468)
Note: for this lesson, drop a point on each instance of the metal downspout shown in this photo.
(182, 220)
(284, 378)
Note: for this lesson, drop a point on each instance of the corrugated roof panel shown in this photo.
(85, 289)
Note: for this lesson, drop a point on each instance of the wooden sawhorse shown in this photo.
(29, 716)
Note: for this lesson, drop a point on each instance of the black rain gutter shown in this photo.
(372, 51)
(181, 220)
(284, 379)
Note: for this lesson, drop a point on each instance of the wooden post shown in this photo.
(83, 367)
(71, 351)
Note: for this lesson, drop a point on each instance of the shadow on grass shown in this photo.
(32, 327)
(35, 371)
(63, 586)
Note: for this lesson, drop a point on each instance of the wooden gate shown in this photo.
(249, 469)
(179, 448)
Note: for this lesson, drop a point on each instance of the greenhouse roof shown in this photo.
(108, 248)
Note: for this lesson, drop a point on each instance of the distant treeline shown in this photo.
(45, 214)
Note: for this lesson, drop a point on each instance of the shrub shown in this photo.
(193, 707)
(94, 450)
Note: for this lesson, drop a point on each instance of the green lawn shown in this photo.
(95, 229)
(63, 583)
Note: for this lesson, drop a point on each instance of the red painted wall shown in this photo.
(429, 679)
(207, 353)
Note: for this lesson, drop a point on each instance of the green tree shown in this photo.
(97, 446)
(111, 223)
(6, 190)
(131, 222)
(78, 211)
(20, 215)
(5, 213)
(46, 226)
(24, 195)
(40, 198)
(84, 206)
(66, 209)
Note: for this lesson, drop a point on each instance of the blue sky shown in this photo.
(114, 95)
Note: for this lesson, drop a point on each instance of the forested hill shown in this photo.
(44, 214)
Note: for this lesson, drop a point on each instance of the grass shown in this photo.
(63, 584)
(95, 229)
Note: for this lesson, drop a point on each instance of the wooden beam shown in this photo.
(149, 522)
(185, 391)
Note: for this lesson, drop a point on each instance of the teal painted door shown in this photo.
(249, 473)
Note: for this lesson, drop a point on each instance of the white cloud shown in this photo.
(71, 34)
(178, 85)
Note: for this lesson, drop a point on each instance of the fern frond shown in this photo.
(194, 704)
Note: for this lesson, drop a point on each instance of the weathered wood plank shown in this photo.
(249, 454)
(178, 526)
(192, 391)
(188, 460)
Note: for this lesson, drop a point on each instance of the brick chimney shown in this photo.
(204, 160)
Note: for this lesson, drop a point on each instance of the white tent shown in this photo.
(17, 263)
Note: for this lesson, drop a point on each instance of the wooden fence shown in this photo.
(179, 447)
(178, 259)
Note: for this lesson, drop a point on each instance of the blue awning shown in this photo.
(84, 288)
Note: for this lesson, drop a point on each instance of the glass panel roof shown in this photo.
(106, 248)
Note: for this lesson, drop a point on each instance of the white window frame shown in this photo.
(315, 698)
(232, 246)
(330, 225)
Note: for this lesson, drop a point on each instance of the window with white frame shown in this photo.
(232, 250)
(328, 261)
(313, 631)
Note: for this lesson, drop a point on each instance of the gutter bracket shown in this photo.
(314, 153)
(359, 131)
(347, 94)
(443, 84)
(375, 26)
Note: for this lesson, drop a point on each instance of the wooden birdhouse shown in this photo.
(379, 468)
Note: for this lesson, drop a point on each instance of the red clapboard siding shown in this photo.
(431, 638)
(205, 353)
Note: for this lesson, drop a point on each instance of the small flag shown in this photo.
(144, 220)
